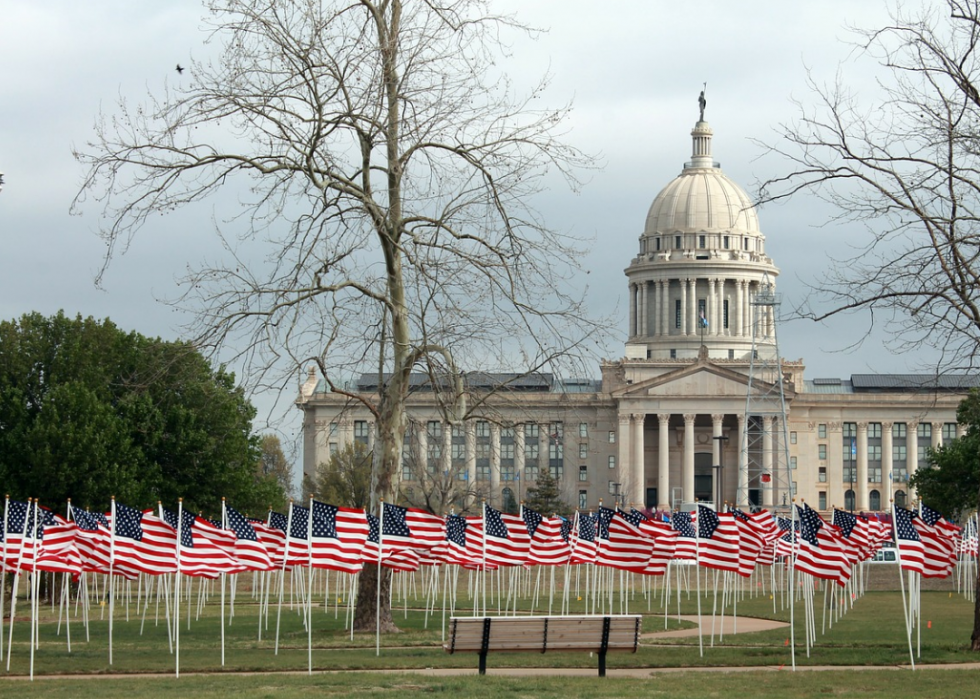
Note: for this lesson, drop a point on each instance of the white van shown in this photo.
(884, 555)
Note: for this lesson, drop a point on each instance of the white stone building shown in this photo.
(666, 424)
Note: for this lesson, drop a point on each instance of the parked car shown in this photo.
(885, 555)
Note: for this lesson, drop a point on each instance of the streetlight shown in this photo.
(719, 486)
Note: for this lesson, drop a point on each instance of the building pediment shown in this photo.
(700, 379)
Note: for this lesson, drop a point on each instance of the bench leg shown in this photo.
(483, 663)
(602, 664)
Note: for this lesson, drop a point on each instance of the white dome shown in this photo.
(702, 198)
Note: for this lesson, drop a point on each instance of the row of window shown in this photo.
(874, 500)
(434, 430)
(702, 242)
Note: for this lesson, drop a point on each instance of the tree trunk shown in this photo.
(365, 611)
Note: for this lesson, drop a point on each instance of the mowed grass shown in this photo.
(870, 633)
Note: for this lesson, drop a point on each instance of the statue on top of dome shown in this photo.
(702, 102)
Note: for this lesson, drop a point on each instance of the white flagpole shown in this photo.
(224, 525)
(3, 563)
(112, 561)
(377, 586)
(901, 582)
(282, 576)
(34, 585)
(309, 591)
(180, 517)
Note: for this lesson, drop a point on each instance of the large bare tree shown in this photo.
(902, 157)
(384, 166)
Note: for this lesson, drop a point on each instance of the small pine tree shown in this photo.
(545, 496)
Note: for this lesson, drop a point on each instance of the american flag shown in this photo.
(92, 540)
(584, 539)
(339, 537)
(297, 552)
(940, 541)
(718, 540)
(911, 552)
(820, 552)
(548, 544)
(249, 551)
(664, 545)
(752, 542)
(273, 539)
(532, 520)
(686, 542)
(626, 547)
(58, 552)
(142, 542)
(507, 540)
(15, 516)
(857, 531)
(409, 527)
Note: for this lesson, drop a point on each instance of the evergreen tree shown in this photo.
(545, 496)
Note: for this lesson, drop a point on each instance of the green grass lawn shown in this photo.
(871, 633)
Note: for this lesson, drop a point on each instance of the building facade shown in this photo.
(699, 408)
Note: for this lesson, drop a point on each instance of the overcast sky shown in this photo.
(633, 68)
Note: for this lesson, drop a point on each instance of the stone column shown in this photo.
(684, 328)
(687, 476)
(861, 479)
(544, 452)
(625, 448)
(346, 430)
(446, 460)
(469, 434)
(644, 311)
(912, 453)
(422, 465)
(742, 494)
(494, 463)
(632, 310)
(519, 455)
(657, 308)
(692, 315)
(769, 488)
(716, 445)
(638, 480)
(663, 463)
(887, 464)
(937, 435)
(836, 487)
(668, 317)
(711, 308)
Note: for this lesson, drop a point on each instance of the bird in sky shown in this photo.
(180, 68)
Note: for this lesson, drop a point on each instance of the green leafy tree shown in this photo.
(88, 411)
(273, 464)
(952, 484)
(545, 496)
(345, 480)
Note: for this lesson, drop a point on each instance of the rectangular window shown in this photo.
(531, 472)
(673, 354)
(792, 437)
(725, 313)
(702, 311)
(822, 431)
(658, 243)
(332, 448)
(612, 436)
(949, 432)
(745, 243)
(899, 430)
(459, 431)
(459, 451)
(482, 451)
(507, 451)
(583, 499)
(822, 452)
(557, 471)
(792, 463)
(482, 471)
(925, 431)
(701, 241)
(874, 430)
(822, 474)
(822, 500)
(361, 431)
(583, 451)
(556, 431)
(530, 432)
(583, 473)
(333, 429)
(874, 453)
(407, 474)
(531, 451)
(612, 462)
(482, 429)
(434, 429)
(677, 242)
(724, 242)
(583, 430)
(506, 432)
(555, 452)
(677, 313)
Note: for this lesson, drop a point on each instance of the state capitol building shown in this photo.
(699, 408)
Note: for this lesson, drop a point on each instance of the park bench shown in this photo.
(540, 634)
